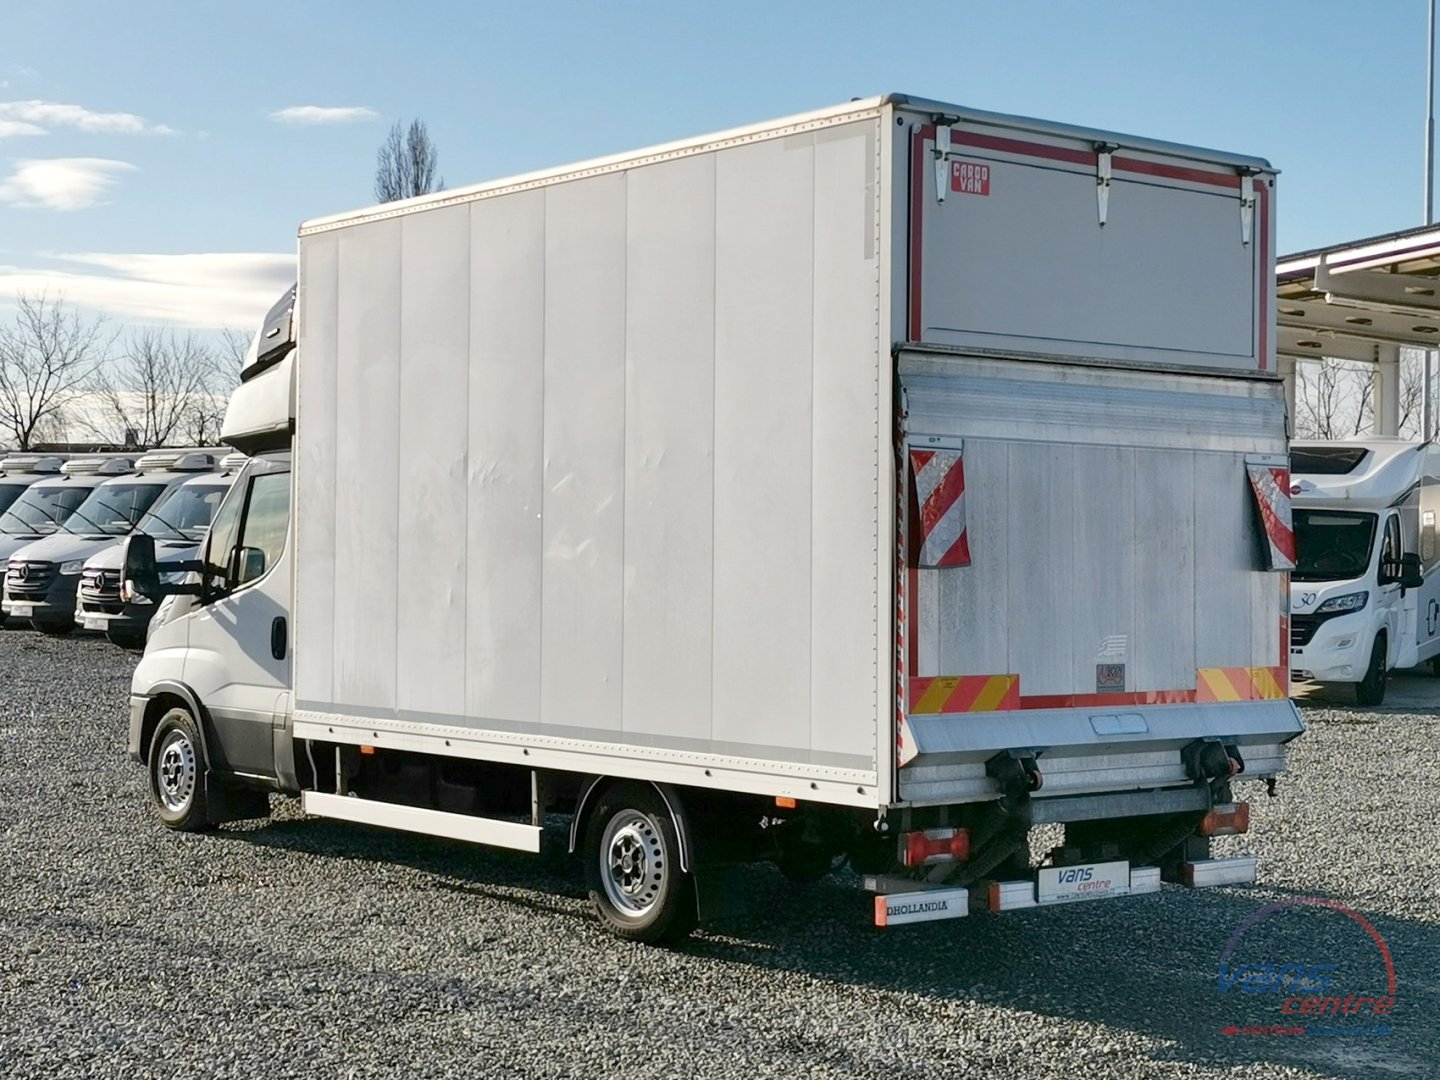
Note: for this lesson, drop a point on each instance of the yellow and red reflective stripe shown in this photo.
(964, 693)
(1241, 684)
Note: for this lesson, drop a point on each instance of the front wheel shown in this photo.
(177, 773)
(632, 867)
(1371, 689)
(54, 629)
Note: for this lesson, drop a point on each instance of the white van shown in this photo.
(1363, 596)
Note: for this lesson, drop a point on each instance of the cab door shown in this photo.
(1388, 589)
(238, 662)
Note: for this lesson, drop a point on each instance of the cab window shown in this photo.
(248, 534)
(1390, 547)
(262, 537)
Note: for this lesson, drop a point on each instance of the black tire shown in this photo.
(177, 772)
(1371, 689)
(126, 639)
(632, 867)
(53, 629)
(1434, 660)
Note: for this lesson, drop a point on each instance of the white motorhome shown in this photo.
(1364, 597)
(743, 499)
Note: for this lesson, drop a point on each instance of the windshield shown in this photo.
(41, 509)
(9, 493)
(113, 509)
(1332, 545)
(185, 513)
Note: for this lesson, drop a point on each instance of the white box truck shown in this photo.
(1364, 598)
(846, 485)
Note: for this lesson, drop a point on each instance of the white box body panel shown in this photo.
(623, 448)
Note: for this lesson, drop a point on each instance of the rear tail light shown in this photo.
(927, 847)
(1226, 819)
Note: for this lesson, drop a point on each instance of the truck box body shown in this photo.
(614, 468)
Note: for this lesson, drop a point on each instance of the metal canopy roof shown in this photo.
(1349, 300)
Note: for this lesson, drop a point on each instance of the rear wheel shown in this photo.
(632, 867)
(1371, 689)
(54, 628)
(177, 772)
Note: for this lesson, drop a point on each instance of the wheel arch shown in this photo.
(595, 786)
(163, 696)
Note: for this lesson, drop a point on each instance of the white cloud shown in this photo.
(10, 128)
(53, 114)
(61, 183)
(203, 291)
(323, 114)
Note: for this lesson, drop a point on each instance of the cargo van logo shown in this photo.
(969, 178)
(1311, 998)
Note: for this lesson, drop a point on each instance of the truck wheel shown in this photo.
(54, 629)
(632, 867)
(1371, 689)
(177, 781)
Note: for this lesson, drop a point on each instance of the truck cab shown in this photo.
(1361, 599)
(43, 577)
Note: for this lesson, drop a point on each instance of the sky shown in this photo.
(156, 157)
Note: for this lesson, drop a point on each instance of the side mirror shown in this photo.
(1411, 574)
(139, 576)
(246, 564)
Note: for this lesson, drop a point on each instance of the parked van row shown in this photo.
(63, 520)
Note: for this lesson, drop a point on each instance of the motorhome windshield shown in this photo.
(1332, 545)
(113, 509)
(185, 513)
(41, 509)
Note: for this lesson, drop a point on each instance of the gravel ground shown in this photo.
(301, 948)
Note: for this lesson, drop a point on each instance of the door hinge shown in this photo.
(1103, 151)
(1247, 204)
(942, 160)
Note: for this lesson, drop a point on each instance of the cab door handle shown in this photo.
(277, 637)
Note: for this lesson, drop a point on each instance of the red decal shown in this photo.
(970, 178)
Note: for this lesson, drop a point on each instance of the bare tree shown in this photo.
(1319, 400)
(405, 164)
(47, 357)
(201, 423)
(1412, 391)
(145, 396)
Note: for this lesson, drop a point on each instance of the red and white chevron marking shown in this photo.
(937, 529)
(1271, 485)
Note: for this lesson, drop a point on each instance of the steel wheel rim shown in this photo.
(633, 867)
(175, 772)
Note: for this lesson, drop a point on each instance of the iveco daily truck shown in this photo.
(45, 505)
(1364, 597)
(43, 577)
(178, 521)
(843, 486)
